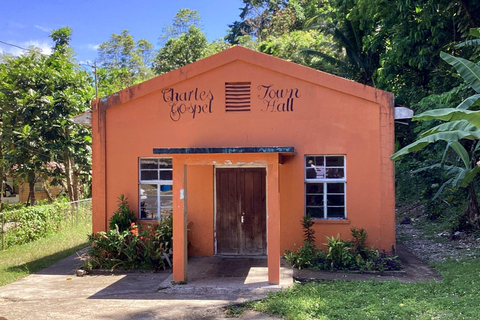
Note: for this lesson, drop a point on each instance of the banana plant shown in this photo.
(460, 124)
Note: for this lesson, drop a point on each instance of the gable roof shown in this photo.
(256, 58)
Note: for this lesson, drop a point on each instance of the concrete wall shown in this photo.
(322, 114)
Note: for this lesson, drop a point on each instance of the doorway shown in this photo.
(241, 211)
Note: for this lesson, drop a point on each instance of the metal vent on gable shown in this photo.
(237, 96)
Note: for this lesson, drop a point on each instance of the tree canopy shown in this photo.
(38, 97)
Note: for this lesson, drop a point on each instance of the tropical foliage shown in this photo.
(149, 248)
(39, 95)
(461, 130)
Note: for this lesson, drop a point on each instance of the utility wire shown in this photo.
(94, 66)
(36, 51)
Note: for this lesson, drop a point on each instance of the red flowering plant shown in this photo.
(134, 248)
(157, 239)
(134, 229)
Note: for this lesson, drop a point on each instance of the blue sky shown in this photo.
(26, 23)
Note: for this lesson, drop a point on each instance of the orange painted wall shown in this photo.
(331, 116)
(200, 210)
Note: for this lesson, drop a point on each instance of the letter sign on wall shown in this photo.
(194, 102)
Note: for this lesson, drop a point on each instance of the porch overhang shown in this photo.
(268, 157)
(280, 150)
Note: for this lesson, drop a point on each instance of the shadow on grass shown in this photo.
(42, 265)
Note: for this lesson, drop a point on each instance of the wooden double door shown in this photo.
(241, 211)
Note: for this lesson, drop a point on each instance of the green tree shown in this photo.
(38, 96)
(461, 131)
(290, 46)
(261, 19)
(178, 52)
(121, 52)
(183, 20)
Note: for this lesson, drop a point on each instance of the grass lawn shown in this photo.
(19, 261)
(456, 297)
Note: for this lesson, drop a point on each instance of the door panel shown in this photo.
(241, 211)
(228, 230)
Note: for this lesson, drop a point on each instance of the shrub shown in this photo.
(32, 223)
(132, 248)
(307, 257)
(340, 253)
(382, 261)
(359, 243)
(123, 217)
(308, 232)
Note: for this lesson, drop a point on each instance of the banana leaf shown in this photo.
(468, 70)
(470, 101)
(440, 136)
(461, 125)
(450, 114)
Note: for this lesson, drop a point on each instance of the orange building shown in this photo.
(240, 146)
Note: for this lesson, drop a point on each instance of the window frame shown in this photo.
(325, 181)
(158, 182)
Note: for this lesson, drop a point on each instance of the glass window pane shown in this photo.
(335, 200)
(315, 188)
(336, 212)
(311, 172)
(335, 173)
(149, 175)
(147, 213)
(148, 164)
(148, 189)
(165, 163)
(148, 201)
(166, 201)
(166, 175)
(166, 212)
(319, 161)
(314, 200)
(320, 173)
(335, 161)
(309, 161)
(315, 212)
(335, 188)
(166, 189)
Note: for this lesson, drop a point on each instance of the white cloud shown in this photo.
(44, 46)
(93, 46)
(44, 29)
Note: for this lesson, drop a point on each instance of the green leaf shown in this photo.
(440, 136)
(462, 153)
(433, 166)
(468, 70)
(475, 32)
(474, 42)
(450, 114)
(470, 101)
(26, 129)
(468, 176)
(442, 187)
(461, 125)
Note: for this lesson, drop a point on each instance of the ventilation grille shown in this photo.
(237, 96)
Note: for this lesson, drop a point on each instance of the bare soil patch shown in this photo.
(433, 245)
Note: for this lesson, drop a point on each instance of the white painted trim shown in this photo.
(325, 181)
